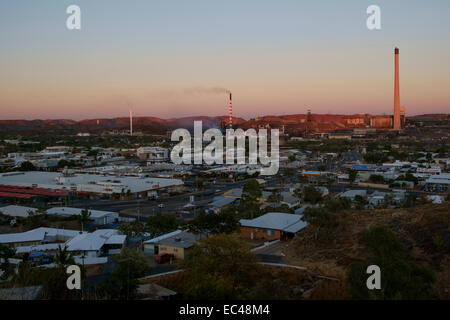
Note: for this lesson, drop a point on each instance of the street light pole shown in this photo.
(82, 285)
(139, 210)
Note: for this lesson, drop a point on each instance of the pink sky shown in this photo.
(275, 58)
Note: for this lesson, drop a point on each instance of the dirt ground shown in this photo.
(417, 228)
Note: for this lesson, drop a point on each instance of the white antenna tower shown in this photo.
(131, 123)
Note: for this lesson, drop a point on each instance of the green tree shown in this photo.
(132, 229)
(64, 163)
(220, 267)
(320, 217)
(339, 204)
(352, 174)
(83, 218)
(25, 276)
(123, 283)
(360, 202)
(225, 221)
(27, 166)
(408, 177)
(312, 195)
(93, 153)
(161, 223)
(284, 208)
(376, 178)
(63, 257)
(249, 204)
(53, 279)
(5, 254)
(275, 197)
(400, 277)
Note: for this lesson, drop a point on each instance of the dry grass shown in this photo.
(419, 228)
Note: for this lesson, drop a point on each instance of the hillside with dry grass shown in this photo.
(424, 230)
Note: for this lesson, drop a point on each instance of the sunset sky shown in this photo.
(164, 58)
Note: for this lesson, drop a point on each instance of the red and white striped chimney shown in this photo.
(230, 113)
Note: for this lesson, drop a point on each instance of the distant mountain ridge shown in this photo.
(161, 126)
(146, 124)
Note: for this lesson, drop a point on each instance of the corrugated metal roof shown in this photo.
(17, 211)
(219, 203)
(182, 240)
(68, 211)
(277, 221)
(38, 234)
(90, 241)
(164, 236)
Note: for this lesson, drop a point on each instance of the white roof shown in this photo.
(68, 211)
(276, 220)
(17, 211)
(38, 234)
(293, 228)
(41, 247)
(116, 239)
(164, 236)
(90, 241)
(353, 193)
(443, 178)
(85, 182)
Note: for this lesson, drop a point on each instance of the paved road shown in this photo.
(176, 203)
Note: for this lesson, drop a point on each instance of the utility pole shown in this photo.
(82, 285)
(139, 210)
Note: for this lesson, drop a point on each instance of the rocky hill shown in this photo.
(295, 123)
(424, 230)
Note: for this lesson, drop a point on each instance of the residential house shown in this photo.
(37, 237)
(351, 194)
(176, 243)
(271, 226)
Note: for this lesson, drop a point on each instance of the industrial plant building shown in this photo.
(85, 183)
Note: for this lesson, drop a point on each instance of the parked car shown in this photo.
(164, 257)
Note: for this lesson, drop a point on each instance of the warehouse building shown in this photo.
(98, 217)
(17, 211)
(58, 183)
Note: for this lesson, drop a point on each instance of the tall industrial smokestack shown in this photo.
(230, 113)
(397, 122)
(131, 123)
